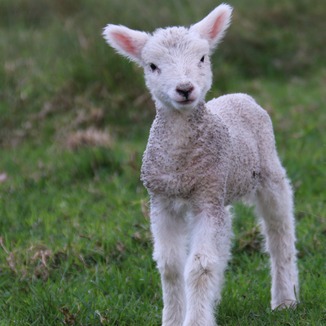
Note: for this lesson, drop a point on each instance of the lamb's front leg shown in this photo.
(209, 254)
(169, 233)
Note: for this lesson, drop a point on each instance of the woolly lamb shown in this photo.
(200, 158)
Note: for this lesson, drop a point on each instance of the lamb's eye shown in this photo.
(153, 66)
(202, 59)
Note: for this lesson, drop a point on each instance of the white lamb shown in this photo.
(200, 158)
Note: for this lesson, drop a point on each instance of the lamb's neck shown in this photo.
(178, 132)
(181, 124)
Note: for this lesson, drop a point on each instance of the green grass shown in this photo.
(75, 245)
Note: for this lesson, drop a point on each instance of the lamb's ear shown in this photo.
(126, 41)
(213, 26)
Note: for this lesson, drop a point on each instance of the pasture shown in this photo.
(75, 244)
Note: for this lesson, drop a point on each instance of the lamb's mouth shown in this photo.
(186, 102)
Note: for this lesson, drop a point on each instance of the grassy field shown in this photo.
(75, 245)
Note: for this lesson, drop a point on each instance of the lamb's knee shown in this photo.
(199, 269)
(170, 266)
(170, 272)
(202, 271)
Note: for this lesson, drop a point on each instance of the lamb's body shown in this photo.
(201, 158)
(217, 148)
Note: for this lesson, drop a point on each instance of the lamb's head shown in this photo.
(176, 60)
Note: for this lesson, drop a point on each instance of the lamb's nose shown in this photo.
(185, 89)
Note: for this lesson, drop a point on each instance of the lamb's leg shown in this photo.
(206, 263)
(169, 233)
(275, 207)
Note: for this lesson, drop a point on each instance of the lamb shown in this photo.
(200, 158)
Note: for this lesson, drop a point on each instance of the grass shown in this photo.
(75, 245)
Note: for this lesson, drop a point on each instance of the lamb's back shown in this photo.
(240, 112)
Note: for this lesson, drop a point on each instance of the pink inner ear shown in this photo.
(125, 42)
(216, 28)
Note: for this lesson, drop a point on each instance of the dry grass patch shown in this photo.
(90, 137)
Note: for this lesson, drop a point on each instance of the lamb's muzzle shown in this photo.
(185, 90)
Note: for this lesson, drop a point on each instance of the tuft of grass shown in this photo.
(75, 243)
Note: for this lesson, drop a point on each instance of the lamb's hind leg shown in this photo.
(169, 234)
(275, 207)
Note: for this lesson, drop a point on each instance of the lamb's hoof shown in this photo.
(286, 304)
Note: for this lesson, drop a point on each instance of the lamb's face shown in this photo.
(175, 59)
(177, 67)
